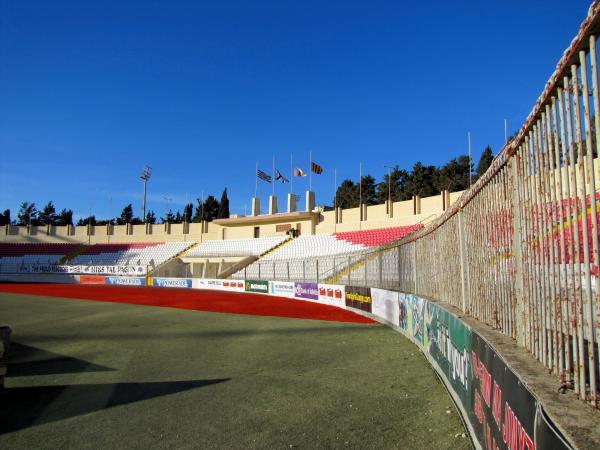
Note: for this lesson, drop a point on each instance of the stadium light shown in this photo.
(145, 176)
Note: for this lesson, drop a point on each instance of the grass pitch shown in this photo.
(86, 374)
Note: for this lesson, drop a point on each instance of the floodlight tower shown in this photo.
(145, 176)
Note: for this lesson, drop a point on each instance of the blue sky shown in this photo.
(90, 92)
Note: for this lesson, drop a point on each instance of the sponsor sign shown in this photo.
(332, 294)
(385, 305)
(43, 268)
(307, 291)
(410, 317)
(450, 346)
(172, 282)
(359, 298)
(233, 285)
(504, 411)
(282, 288)
(546, 434)
(126, 281)
(259, 286)
(92, 279)
(83, 269)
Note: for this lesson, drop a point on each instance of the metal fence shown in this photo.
(519, 250)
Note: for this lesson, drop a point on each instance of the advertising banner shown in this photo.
(259, 286)
(83, 269)
(232, 285)
(449, 344)
(92, 279)
(385, 305)
(172, 282)
(308, 291)
(411, 310)
(546, 434)
(282, 288)
(332, 294)
(126, 281)
(504, 411)
(359, 298)
(43, 268)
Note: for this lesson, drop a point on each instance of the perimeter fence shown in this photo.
(519, 250)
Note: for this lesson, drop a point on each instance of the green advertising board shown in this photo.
(449, 344)
(260, 286)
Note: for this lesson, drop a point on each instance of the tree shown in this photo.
(223, 212)
(168, 217)
(178, 218)
(421, 181)
(90, 220)
(367, 191)
(126, 215)
(150, 217)
(65, 217)
(188, 210)
(5, 217)
(485, 161)
(454, 175)
(397, 191)
(206, 210)
(47, 215)
(27, 214)
(346, 195)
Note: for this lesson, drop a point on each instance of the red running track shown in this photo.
(197, 300)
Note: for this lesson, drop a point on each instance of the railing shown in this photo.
(519, 250)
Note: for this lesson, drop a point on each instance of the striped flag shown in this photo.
(316, 168)
(280, 177)
(298, 172)
(263, 176)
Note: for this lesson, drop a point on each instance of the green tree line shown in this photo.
(207, 210)
(400, 184)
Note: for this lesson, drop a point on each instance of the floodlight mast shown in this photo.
(145, 176)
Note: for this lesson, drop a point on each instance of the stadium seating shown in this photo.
(320, 256)
(137, 254)
(30, 254)
(236, 247)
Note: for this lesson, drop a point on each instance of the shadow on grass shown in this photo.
(26, 406)
(25, 360)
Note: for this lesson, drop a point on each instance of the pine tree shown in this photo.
(27, 214)
(126, 215)
(223, 212)
(485, 161)
(47, 215)
(65, 217)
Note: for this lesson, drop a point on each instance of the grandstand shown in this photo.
(150, 254)
(236, 247)
(323, 256)
(15, 255)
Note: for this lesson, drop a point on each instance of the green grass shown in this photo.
(87, 374)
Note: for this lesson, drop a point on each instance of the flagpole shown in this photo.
(360, 187)
(273, 180)
(291, 174)
(310, 171)
(335, 199)
(256, 178)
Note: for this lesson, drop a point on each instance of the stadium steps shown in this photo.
(164, 263)
(240, 265)
(73, 254)
(334, 279)
(272, 249)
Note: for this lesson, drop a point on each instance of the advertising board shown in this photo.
(259, 286)
(332, 294)
(126, 281)
(358, 298)
(307, 291)
(172, 282)
(92, 279)
(385, 305)
(282, 288)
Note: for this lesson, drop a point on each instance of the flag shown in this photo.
(280, 177)
(263, 176)
(316, 168)
(298, 172)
